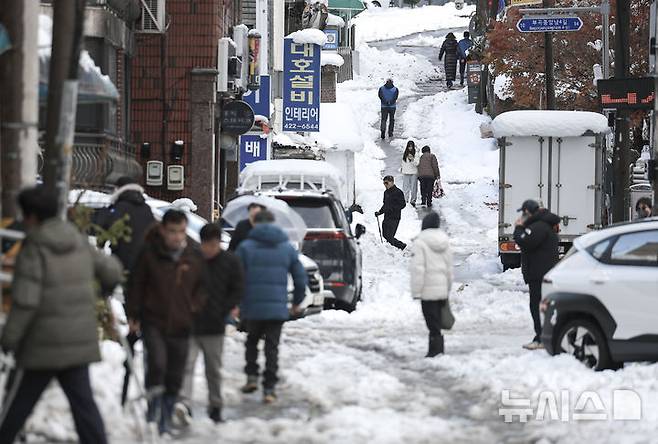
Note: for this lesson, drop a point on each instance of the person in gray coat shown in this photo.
(51, 328)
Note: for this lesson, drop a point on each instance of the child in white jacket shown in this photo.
(431, 277)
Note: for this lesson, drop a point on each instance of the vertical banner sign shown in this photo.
(259, 100)
(301, 86)
(253, 147)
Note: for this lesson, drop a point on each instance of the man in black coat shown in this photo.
(224, 289)
(243, 228)
(536, 234)
(394, 202)
(128, 199)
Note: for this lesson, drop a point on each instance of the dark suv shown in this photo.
(330, 243)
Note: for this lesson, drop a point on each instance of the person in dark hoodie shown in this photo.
(268, 257)
(392, 207)
(128, 200)
(450, 49)
(535, 233)
(388, 95)
(51, 328)
(225, 286)
(431, 277)
(165, 294)
(242, 229)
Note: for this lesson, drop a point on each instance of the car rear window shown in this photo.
(315, 212)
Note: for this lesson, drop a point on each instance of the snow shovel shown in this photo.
(380, 230)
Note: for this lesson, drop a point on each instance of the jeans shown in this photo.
(26, 389)
(389, 228)
(388, 113)
(426, 189)
(166, 357)
(462, 69)
(410, 187)
(212, 347)
(271, 332)
(535, 299)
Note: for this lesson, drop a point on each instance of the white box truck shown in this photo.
(556, 158)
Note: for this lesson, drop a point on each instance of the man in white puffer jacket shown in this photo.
(431, 277)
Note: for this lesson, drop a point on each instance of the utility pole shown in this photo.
(19, 107)
(621, 158)
(68, 19)
(549, 77)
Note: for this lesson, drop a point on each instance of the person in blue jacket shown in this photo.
(463, 46)
(388, 94)
(267, 257)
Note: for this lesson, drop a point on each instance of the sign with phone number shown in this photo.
(301, 86)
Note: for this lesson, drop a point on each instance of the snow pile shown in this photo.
(549, 123)
(334, 20)
(269, 171)
(503, 87)
(406, 70)
(331, 58)
(388, 23)
(310, 35)
(422, 40)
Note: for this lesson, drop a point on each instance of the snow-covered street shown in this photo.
(361, 377)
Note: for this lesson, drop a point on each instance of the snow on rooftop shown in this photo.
(388, 23)
(312, 170)
(549, 123)
(334, 20)
(331, 58)
(310, 35)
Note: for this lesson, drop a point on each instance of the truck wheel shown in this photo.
(584, 340)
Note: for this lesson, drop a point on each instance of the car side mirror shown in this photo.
(359, 230)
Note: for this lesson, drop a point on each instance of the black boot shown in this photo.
(435, 346)
(166, 413)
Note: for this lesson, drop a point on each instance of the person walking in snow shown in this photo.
(431, 277)
(224, 287)
(128, 200)
(463, 47)
(428, 173)
(449, 49)
(267, 258)
(388, 95)
(165, 293)
(242, 229)
(535, 233)
(409, 169)
(392, 210)
(51, 328)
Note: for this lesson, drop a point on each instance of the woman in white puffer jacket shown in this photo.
(431, 277)
(409, 170)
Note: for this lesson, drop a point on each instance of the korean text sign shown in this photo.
(253, 147)
(301, 86)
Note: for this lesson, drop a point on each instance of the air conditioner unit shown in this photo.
(153, 16)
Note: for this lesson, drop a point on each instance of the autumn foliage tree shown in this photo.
(519, 57)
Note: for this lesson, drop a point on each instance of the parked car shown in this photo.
(601, 299)
(316, 191)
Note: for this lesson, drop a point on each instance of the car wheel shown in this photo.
(584, 340)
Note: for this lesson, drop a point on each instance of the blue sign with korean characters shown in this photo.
(259, 100)
(253, 148)
(301, 86)
(549, 24)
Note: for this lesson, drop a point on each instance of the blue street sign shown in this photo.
(259, 100)
(332, 39)
(301, 86)
(253, 147)
(549, 24)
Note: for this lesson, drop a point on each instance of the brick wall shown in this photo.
(161, 80)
